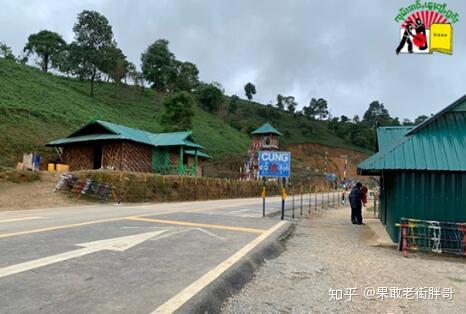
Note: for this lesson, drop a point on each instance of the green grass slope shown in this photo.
(36, 108)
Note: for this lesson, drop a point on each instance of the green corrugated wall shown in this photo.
(428, 195)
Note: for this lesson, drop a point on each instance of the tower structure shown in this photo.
(264, 138)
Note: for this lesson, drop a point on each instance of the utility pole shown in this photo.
(345, 169)
(325, 162)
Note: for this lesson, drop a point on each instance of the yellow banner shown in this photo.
(441, 38)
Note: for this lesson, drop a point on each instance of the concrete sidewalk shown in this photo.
(327, 252)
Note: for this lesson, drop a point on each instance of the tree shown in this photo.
(280, 104)
(407, 122)
(115, 64)
(22, 58)
(187, 76)
(356, 119)
(233, 104)
(92, 42)
(210, 97)
(249, 90)
(136, 76)
(158, 65)
(333, 123)
(377, 115)
(344, 118)
(362, 135)
(290, 103)
(48, 46)
(178, 112)
(317, 108)
(6, 52)
(420, 119)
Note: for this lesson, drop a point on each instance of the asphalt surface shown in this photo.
(51, 262)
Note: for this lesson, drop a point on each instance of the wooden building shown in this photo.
(105, 145)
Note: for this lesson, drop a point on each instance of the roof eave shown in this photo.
(437, 115)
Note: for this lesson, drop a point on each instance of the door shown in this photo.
(97, 156)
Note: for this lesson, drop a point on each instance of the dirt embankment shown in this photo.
(36, 194)
(307, 161)
(311, 158)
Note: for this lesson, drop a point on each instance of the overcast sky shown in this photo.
(343, 51)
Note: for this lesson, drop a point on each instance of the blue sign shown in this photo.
(330, 177)
(274, 164)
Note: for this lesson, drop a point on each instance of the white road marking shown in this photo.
(209, 233)
(169, 234)
(20, 219)
(119, 244)
(186, 294)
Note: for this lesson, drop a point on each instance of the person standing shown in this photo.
(406, 39)
(364, 191)
(355, 200)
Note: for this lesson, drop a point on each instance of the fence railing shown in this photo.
(300, 204)
(432, 236)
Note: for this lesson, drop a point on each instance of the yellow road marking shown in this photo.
(186, 294)
(20, 219)
(195, 224)
(5, 235)
(12, 234)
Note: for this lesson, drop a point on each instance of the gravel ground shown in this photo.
(327, 252)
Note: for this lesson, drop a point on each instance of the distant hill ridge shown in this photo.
(37, 107)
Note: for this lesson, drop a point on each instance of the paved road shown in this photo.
(122, 259)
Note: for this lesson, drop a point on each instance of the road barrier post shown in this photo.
(263, 197)
(145, 193)
(119, 188)
(283, 203)
(310, 201)
(315, 201)
(301, 213)
(292, 199)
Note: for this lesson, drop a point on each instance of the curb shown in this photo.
(211, 298)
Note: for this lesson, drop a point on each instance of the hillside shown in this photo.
(36, 107)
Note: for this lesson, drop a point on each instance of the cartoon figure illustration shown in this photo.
(420, 39)
(426, 31)
(407, 35)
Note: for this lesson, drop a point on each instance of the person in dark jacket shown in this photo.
(355, 200)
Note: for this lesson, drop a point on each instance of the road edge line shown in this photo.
(180, 301)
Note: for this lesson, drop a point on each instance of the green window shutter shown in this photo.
(160, 161)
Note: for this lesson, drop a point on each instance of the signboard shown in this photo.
(274, 164)
(330, 177)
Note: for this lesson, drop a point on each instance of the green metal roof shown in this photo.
(199, 154)
(440, 145)
(388, 135)
(85, 138)
(266, 129)
(120, 132)
(458, 105)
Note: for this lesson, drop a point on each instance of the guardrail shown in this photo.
(432, 236)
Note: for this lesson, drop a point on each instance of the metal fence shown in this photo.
(299, 204)
(432, 236)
